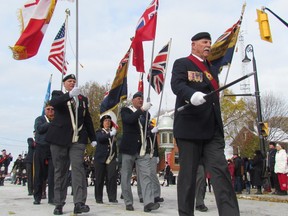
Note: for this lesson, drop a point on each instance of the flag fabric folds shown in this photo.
(159, 69)
(145, 31)
(223, 49)
(35, 17)
(47, 96)
(57, 52)
(118, 91)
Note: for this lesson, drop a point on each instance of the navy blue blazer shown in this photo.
(103, 146)
(61, 130)
(131, 139)
(194, 122)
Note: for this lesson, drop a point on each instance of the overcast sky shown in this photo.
(105, 28)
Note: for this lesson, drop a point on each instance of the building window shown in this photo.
(164, 138)
(170, 137)
(176, 158)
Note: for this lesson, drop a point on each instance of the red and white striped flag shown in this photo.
(57, 52)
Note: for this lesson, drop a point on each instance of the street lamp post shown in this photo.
(249, 48)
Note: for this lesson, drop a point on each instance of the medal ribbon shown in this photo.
(204, 70)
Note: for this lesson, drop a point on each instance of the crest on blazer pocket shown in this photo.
(195, 76)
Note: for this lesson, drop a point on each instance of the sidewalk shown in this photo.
(15, 201)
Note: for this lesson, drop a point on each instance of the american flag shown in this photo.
(159, 68)
(57, 52)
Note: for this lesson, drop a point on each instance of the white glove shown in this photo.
(93, 143)
(158, 160)
(197, 98)
(154, 130)
(113, 132)
(146, 106)
(74, 92)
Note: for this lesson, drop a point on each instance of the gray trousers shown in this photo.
(143, 176)
(154, 178)
(62, 158)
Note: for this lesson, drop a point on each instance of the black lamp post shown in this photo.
(248, 49)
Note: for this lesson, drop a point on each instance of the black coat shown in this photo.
(31, 149)
(41, 127)
(103, 146)
(61, 131)
(131, 139)
(271, 159)
(194, 122)
(257, 169)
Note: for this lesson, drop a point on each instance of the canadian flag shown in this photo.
(35, 16)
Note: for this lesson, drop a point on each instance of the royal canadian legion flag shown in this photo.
(35, 16)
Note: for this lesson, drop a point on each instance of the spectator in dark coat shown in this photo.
(257, 164)
(29, 164)
(238, 162)
(271, 164)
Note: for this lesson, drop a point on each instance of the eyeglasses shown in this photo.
(49, 108)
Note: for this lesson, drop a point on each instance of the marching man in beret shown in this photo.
(68, 143)
(198, 129)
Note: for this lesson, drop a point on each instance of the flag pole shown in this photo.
(67, 11)
(161, 98)
(47, 96)
(77, 46)
(229, 66)
(144, 144)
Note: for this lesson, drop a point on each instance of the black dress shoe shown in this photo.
(58, 210)
(113, 201)
(99, 201)
(202, 208)
(81, 208)
(36, 202)
(151, 206)
(129, 207)
(158, 199)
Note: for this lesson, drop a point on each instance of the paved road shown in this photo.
(15, 201)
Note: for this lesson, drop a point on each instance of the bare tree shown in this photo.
(275, 113)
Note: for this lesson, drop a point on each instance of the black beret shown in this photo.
(105, 117)
(70, 76)
(272, 143)
(138, 94)
(201, 35)
(3, 150)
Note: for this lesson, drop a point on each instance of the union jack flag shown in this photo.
(57, 52)
(159, 69)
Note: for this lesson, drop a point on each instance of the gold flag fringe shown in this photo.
(19, 52)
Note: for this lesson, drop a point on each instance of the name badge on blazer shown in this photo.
(195, 76)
